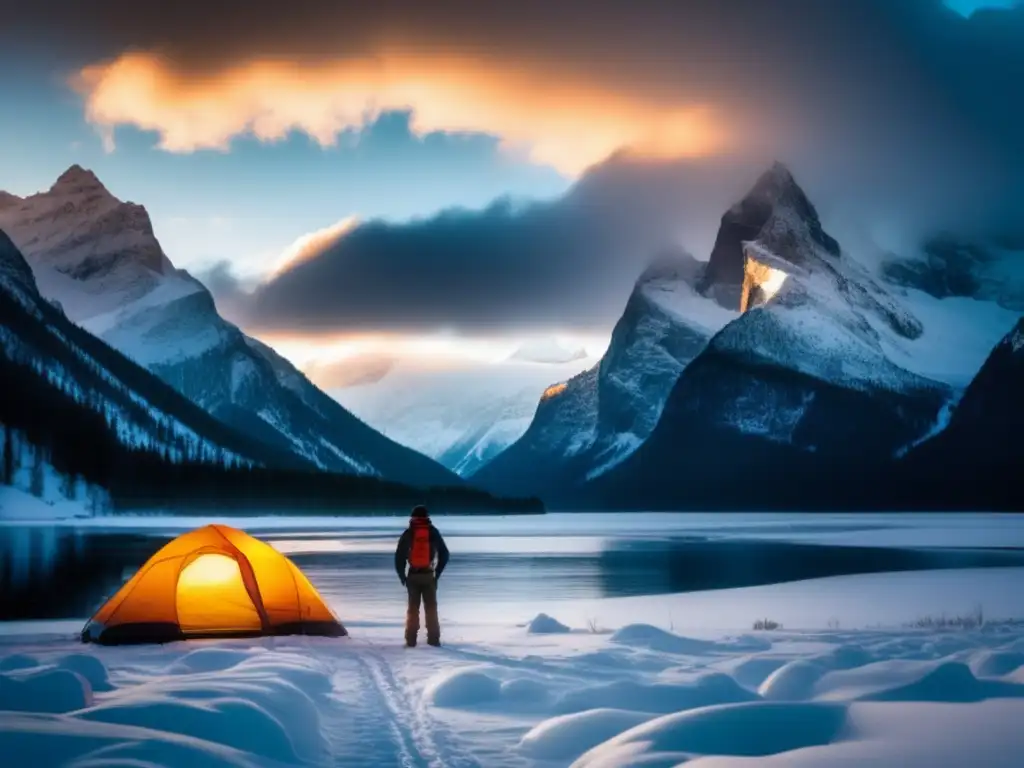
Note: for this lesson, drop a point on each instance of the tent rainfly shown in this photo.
(215, 581)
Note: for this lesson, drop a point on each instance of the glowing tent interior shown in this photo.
(215, 581)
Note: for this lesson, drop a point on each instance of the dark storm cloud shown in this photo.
(567, 264)
(232, 295)
(896, 75)
(897, 113)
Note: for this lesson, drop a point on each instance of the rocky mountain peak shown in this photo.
(77, 179)
(79, 228)
(774, 184)
(775, 197)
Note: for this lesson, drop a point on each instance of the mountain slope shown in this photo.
(795, 398)
(79, 420)
(148, 414)
(773, 192)
(977, 459)
(586, 425)
(99, 259)
(967, 292)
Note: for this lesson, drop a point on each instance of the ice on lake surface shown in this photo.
(646, 673)
(510, 563)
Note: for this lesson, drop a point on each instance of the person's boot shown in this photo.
(434, 641)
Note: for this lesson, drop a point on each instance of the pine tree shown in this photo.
(37, 486)
(67, 485)
(8, 476)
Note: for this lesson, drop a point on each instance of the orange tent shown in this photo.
(215, 581)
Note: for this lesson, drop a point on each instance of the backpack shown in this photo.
(420, 554)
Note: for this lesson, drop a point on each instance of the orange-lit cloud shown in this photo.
(568, 124)
(312, 244)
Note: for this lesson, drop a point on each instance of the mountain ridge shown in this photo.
(800, 382)
(589, 423)
(99, 258)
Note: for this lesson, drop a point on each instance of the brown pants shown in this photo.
(422, 586)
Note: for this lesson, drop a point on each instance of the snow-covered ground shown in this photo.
(18, 506)
(593, 682)
(636, 688)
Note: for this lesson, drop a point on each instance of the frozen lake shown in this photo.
(808, 568)
(647, 649)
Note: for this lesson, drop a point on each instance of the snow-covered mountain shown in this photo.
(979, 454)
(953, 267)
(55, 373)
(98, 258)
(462, 414)
(745, 221)
(966, 292)
(802, 383)
(587, 424)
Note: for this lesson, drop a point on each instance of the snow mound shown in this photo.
(59, 740)
(656, 698)
(1017, 646)
(463, 688)
(569, 736)
(285, 668)
(89, 667)
(543, 624)
(208, 660)
(229, 721)
(655, 639)
(751, 671)
(793, 682)
(950, 682)
(44, 689)
(919, 736)
(995, 663)
(17, 661)
(483, 686)
(525, 692)
(259, 703)
(751, 730)
(845, 657)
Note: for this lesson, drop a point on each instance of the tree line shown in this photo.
(82, 438)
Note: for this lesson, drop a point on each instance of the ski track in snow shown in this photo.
(418, 741)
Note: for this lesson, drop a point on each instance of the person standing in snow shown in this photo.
(422, 549)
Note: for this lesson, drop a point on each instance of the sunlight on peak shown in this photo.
(761, 282)
(554, 391)
(771, 286)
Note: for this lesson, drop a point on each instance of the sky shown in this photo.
(480, 169)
